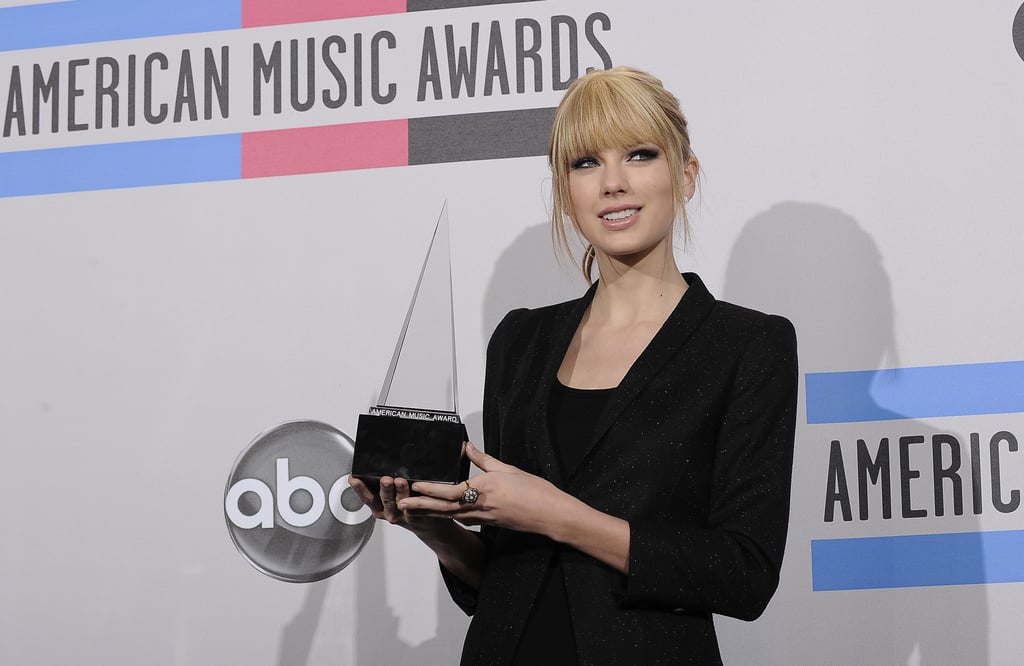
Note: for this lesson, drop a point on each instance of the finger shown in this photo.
(472, 517)
(364, 493)
(446, 498)
(461, 513)
(425, 504)
(444, 491)
(387, 498)
(447, 517)
(484, 461)
(359, 487)
(402, 489)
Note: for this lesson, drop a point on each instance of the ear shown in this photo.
(690, 171)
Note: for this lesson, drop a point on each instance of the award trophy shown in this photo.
(414, 432)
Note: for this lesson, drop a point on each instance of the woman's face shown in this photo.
(622, 199)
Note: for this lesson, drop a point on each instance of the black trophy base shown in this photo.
(418, 445)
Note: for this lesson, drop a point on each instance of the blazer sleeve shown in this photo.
(731, 566)
(465, 596)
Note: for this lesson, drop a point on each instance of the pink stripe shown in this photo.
(278, 12)
(329, 148)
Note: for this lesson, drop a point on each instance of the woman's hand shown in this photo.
(384, 504)
(460, 550)
(509, 497)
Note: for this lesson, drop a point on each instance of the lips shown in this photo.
(619, 218)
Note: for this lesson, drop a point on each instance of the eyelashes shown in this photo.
(643, 154)
(636, 155)
(583, 163)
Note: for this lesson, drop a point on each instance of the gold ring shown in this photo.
(470, 496)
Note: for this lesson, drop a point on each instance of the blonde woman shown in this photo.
(639, 439)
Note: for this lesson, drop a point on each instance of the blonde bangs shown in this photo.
(603, 115)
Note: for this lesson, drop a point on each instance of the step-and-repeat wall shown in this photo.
(213, 214)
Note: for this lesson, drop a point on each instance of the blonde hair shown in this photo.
(612, 108)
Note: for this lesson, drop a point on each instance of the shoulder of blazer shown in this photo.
(526, 328)
(739, 322)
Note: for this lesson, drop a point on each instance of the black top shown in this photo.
(572, 415)
(548, 636)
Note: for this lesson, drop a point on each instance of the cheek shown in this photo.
(577, 192)
(661, 187)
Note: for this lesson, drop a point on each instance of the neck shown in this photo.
(645, 289)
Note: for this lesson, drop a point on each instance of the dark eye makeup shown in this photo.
(583, 163)
(635, 155)
(643, 154)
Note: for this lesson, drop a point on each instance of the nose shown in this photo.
(614, 179)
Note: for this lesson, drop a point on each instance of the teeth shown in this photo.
(620, 215)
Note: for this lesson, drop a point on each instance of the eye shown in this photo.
(584, 163)
(643, 154)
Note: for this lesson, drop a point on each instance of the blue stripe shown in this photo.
(914, 393)
(116, 165)
(81, 21)
(920, 560)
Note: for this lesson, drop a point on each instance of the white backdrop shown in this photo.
(862, 176)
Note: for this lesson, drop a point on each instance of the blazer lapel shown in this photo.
(555, 343)
(694, 306)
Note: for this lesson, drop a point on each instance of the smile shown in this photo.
(619, 220)
(619, 214)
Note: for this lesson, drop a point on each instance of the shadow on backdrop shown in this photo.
(526, 275)
(376, 634)
(298, 635)
(817, 266)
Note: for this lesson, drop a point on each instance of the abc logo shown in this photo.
(288, 505)
(1018, 32)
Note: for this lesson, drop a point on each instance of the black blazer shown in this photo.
(694, 449)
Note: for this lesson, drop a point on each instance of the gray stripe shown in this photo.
(429, 5)
(480, 136)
